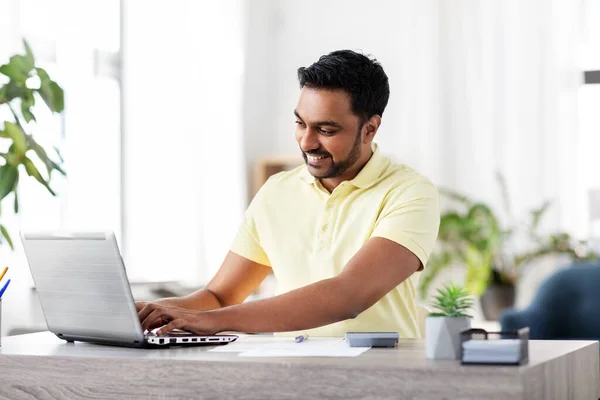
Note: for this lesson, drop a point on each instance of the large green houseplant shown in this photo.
(471, 235)
(25, 84)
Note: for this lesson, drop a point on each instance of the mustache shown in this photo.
(316, 153)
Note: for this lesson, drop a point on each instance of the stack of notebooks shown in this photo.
(481, 347)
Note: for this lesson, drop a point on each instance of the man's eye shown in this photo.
(299, 123)
(326, 132)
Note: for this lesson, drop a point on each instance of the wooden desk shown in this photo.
(40, 366)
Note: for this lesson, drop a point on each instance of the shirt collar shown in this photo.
(366, 176)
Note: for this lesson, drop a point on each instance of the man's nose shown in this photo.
(309, 140)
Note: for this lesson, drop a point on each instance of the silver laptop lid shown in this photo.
(82, 286)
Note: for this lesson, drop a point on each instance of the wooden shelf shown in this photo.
(271, 165)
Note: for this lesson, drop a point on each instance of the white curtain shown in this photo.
(509, 89)
(184, 190)
(509, 81)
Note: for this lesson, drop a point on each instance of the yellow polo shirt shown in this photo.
(307, 234)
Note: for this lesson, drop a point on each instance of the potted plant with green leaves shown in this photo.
(472, 236)
(25, 85)
(443, 326)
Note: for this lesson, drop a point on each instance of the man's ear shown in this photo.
(370, 128)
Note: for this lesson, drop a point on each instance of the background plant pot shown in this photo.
(496, 298)
(442, 337)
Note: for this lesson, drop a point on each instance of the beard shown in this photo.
(335, 168)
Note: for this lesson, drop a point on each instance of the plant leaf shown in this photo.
(59, 97)
(451, 194)
(10, 70)
(58, 153)
(18, 68)
(16, 205)
(43, 156)
(437, 315)
(3, 94)
(17, 118)
(13, 132)
(11, 90)
(45, 91)
(24, 63)
(452, 301)
(7, 236)
(28, 54)
(28, 101)
(452, 225)
(33, 171)
(51, 92)
(537, 215)
(479, 271)
(28, 115)
(8, 177)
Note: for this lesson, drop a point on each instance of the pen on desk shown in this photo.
(3, 272)
(4, 288)
(301, 338)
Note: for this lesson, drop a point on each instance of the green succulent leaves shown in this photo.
(452, 301)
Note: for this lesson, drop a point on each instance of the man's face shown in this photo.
(328, 133)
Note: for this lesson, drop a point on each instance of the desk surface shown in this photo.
(557, 369)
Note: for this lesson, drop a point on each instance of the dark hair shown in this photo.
(354, 73)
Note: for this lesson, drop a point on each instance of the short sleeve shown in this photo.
(247, 241)
(411, 218)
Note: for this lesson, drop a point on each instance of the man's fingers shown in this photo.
(153, 315)
(139, 305)
(152, 323)
(175, 324)
(156, 318)
(146, 310)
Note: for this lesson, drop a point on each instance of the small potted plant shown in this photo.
(443, 326)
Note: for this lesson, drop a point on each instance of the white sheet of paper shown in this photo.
(245, 343)
(287, 347)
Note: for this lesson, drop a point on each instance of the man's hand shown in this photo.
(237, 278)
(169, 302)
(234, 281)
(140, 304)
(154, 315)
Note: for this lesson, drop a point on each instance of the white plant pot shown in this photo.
(442, 337)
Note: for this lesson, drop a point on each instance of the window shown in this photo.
(77, 43)
(589, 113)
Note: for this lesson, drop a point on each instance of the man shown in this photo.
(343, 235)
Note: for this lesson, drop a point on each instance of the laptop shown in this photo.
(85, 295)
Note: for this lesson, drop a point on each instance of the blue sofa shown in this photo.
(566, 306)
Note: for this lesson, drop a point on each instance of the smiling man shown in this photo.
(343, 235)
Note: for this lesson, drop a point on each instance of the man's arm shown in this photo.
(235, 280)
(376, 269)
